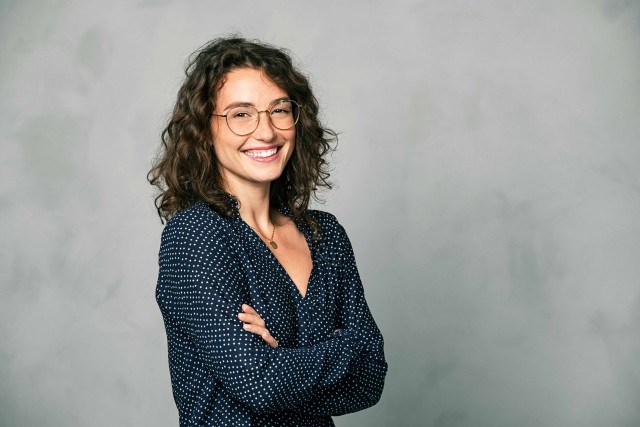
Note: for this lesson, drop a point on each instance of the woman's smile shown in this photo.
(262, 154)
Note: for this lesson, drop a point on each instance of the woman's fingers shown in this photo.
(251, 319)
(263, 332)
(249, 315)
(253, 323)
(269, 339)
(248, 309)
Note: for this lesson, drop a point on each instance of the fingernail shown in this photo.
(245, 326)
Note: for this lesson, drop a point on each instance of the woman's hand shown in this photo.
(254, 324)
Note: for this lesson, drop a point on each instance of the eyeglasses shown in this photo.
(244, 119)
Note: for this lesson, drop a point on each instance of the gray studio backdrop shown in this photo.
(488, 173)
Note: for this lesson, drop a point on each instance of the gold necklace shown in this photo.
(272, 243)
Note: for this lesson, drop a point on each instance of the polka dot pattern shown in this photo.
(330, 358)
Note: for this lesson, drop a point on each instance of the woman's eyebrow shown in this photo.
(238, 104)
(250, 104)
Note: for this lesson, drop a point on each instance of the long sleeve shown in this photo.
(200, 291)
(364, 382)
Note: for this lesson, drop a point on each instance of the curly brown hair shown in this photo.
(187, 170)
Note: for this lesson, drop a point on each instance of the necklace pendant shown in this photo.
(273, 244)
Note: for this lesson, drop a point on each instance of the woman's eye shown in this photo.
(280, 111)
(241, 115)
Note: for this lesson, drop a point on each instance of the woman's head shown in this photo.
(253, 130)
(188, 169)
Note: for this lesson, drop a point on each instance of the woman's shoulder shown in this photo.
(322, 216)
(194, 221)
(199, 211)
(329, 224)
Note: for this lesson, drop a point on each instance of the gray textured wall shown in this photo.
(488, 174)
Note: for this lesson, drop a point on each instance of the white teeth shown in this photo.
(261, 153)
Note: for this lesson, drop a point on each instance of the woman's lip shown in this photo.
(262, 148)
(258, 154)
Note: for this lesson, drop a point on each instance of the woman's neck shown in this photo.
(254, 202)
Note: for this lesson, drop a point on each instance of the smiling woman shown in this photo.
(262, 302)
(251, 151)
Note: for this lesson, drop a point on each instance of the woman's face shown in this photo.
(257, 158)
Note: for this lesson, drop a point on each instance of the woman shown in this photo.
(265, 314)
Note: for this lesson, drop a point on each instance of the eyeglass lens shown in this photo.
(243, 120)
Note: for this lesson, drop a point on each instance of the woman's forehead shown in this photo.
(248, 85)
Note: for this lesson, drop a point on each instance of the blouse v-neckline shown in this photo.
(278, 265)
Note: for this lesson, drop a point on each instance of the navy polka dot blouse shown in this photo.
(330, 358)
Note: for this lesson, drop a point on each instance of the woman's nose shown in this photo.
(265, 129)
